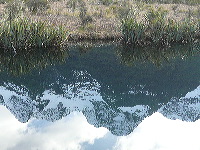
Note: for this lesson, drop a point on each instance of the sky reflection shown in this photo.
(67, 133)
(75, 133)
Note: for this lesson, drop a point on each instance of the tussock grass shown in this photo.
(95, 19)
(158, 30)
(21, 34)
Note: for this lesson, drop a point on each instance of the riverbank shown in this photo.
(104, 21)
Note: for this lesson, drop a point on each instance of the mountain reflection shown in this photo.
(81, 96)
(107, 93)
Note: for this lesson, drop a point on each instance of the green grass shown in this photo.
(158, 30)
(21, 34)
(154, 28)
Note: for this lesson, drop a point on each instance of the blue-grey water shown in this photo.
(105, 97)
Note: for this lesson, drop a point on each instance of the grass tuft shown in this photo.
(158, 30)
(21, 34)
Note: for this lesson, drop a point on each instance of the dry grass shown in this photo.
(1, 10)
(106, 21)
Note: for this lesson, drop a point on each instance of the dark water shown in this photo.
(102, 97)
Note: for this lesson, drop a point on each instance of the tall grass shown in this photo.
(133, 31)
(21, 34)
(158, 30)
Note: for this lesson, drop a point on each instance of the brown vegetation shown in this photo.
(105, 18)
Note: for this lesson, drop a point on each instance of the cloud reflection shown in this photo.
(67, 133)
(159, 133)
(75, 133)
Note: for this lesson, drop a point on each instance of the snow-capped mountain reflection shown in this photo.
(186, 108)
(83, 96)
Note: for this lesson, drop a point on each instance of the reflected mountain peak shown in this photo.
(79, 96)
(185, 108)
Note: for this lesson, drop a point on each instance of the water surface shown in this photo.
(103, 97)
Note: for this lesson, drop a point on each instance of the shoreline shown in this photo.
(118, 38)
(105, 24)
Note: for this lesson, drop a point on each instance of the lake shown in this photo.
(102, 97)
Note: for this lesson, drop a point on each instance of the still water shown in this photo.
(105, 97)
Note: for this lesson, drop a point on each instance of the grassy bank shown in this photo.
(159, 30)
(138, 22)
(22, 34)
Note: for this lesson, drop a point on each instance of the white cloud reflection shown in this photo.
(159, 133)
(74, 133)
(66, 134)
